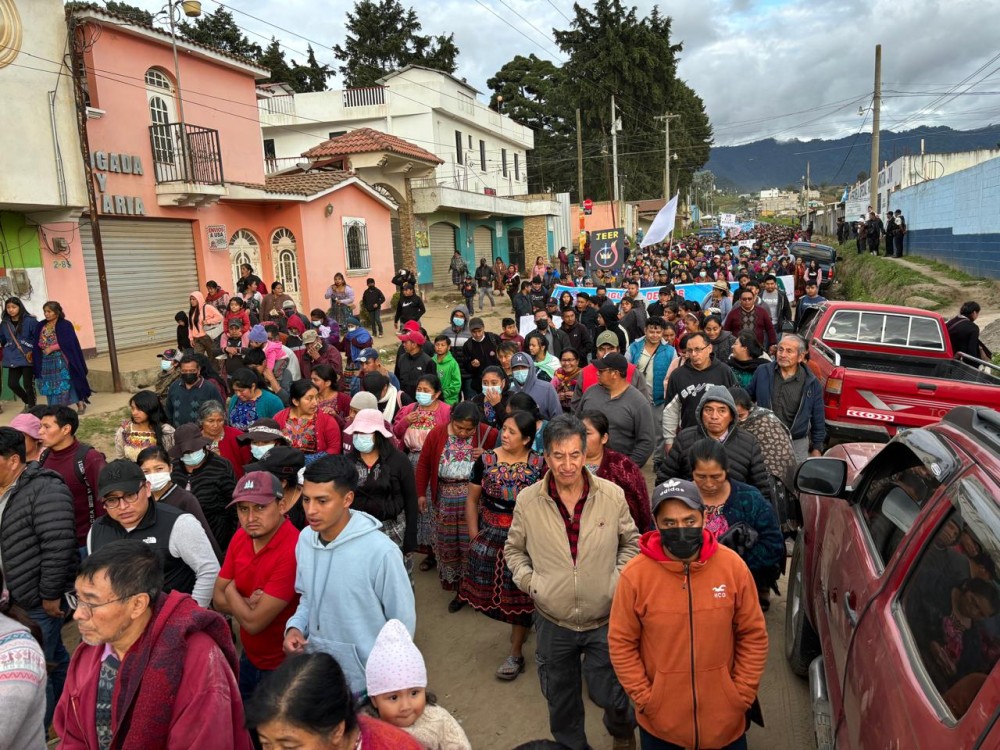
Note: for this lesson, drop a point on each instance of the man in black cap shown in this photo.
(684, 587)
(189, 562)
(630, 417)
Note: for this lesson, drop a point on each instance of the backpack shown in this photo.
(81, 475)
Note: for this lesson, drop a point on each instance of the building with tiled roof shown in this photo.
(456, 168)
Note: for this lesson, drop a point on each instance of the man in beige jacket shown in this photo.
(571, 536)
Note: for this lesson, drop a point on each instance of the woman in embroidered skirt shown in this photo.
(58, 361)
(445, 466)
(411, 427)
(487, 585)
(147, 427)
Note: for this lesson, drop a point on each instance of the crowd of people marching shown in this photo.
(279, 480)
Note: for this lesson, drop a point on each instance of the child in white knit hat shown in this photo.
(397, 689)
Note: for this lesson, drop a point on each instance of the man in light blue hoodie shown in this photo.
(350, 575)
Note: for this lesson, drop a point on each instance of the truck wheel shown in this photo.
(801, 642)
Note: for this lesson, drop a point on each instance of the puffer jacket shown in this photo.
(688, 643)
(38, 538)
(576, 595)
(657, 374)
(746, 460)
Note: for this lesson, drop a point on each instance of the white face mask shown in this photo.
(259, 451)
(158, 480)
(193, 459)
(165, 365)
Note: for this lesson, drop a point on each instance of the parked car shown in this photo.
(894, 588)
(824, 255)
(884, 367)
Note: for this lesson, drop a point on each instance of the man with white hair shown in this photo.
(789, 389)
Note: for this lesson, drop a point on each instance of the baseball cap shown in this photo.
(235, 323)
(678, 489)
(27, 424)
(415, 336)
(476, 323)
(258, 487)
(411, 325)
(612, 361)
(607, 337)
(310, 337)
(120, 475)
(287, 303)
(174, 354)
(367, 355)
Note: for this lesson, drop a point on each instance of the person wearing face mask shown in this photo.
(189, 562)
(169, 372)
(155, 464)
(558, 340)
(686, 605)
(288, 465)
(207, 476)
(493, 396)
(263, 435)
(387, 488)
(526, 380)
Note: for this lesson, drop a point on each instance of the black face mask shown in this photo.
(683, 542)
(541, 324)
(189, 377)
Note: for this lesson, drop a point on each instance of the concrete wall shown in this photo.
(956, 219)
(28, 173)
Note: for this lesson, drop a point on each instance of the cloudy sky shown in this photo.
(765, 68)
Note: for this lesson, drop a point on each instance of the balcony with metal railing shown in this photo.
(187, 163)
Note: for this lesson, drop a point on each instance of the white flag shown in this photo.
(663, 224)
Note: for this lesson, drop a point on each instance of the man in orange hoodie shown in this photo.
(687, 636)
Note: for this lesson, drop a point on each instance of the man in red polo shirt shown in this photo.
(257, 582)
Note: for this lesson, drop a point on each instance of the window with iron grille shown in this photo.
(482, 155)
(503, 161)
(458, 147)
(517, 167)
(356, 244)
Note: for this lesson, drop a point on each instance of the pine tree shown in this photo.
(383, 36)
(219, 30)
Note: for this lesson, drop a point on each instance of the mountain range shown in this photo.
(770, 163)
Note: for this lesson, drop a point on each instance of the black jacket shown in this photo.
(560, 340)
(372, 299)
(389, 489)
(485, 352)
(746, 461)
(579, 339)
(38, 538)
(212, 483)
(410, 369)
(154, 529)
(409, 308)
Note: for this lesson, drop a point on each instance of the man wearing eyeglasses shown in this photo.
(189, 563)
(687, 384)
(152, 667)
(38, 550)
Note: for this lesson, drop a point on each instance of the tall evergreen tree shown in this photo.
(219, 30)
(611, 50)
(383, 36)
(273, 58)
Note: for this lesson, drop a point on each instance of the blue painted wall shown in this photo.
(956, 219)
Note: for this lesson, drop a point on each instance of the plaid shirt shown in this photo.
(572, 522)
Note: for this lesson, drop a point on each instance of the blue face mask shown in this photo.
(458, 322)
(259, 451)
(520, 376)
(424, 398)
(193, 459)
(166, 364)
(364, 443)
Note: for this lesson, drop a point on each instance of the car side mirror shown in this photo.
(822, 476)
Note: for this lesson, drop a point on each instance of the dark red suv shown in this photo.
(894, 588)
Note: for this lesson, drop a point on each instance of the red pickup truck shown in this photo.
(893, 604)
(884, 367)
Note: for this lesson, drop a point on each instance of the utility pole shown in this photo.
(876, 107)
(614, 147)
(579, 158)
(667, 117)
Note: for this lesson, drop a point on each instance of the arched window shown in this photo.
(157, 79)
(285, 260)
(243, 248)
(160, 97)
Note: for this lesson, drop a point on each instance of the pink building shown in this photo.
(182, 194)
